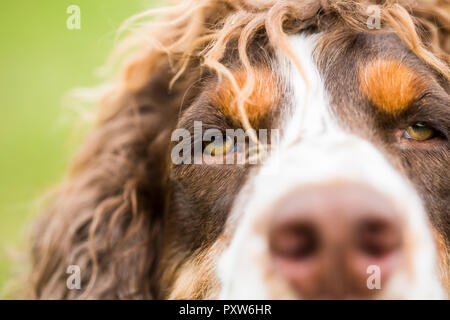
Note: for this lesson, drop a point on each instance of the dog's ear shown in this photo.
(433, 19)
(107, 217)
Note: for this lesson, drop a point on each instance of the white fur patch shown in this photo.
(314, 150)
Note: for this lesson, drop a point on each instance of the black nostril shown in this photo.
(295, 240)
(378, 237)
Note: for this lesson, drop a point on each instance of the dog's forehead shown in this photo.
(361, 73)
(372, 69)
(366, 77)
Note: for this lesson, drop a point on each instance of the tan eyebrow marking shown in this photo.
(262, 100)
(391, 85)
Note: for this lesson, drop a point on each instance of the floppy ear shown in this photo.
(107, 217)
(433, 18)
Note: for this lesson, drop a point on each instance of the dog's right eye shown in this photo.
(419, 132)
(220, 147)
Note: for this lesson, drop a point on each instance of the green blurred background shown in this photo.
(41, 60)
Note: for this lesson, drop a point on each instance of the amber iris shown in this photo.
(220, 147)
(420, 132)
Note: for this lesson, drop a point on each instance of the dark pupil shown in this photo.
(419, 125)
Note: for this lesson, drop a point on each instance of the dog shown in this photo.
(292, 149)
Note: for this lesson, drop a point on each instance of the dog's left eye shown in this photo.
(420, 132)
(220, 147)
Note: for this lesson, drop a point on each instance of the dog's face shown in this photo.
(362, 157)
(264, 149)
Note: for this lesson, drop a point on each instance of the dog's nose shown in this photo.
(336, 242)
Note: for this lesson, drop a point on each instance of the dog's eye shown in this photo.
(420, 132)
(220, 146)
